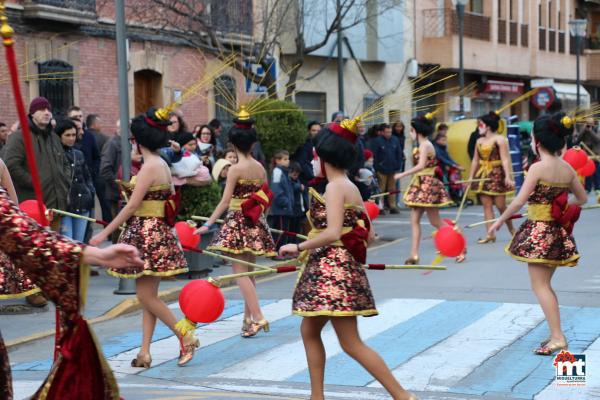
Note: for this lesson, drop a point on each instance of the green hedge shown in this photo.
(198, 201)
(280, 125)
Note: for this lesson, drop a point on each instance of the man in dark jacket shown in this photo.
(53, 167)
(92, 123)
(388, 156)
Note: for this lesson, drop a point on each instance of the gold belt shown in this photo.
(235, 204)
(540, 212)
(151, 208)
(424, 172)
(486, 167)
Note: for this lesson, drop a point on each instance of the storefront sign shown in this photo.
(504, 86)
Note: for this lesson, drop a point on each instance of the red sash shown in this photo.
(255, 205)
(172, 206)
(356, 241)
(563, 213)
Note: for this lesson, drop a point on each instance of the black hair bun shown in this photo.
(491, 119)
(150, 131)
(552, 130)
(422, 125)
(334, 149)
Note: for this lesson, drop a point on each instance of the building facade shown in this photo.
(509, 46)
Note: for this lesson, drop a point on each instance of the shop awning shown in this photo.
(568, 91)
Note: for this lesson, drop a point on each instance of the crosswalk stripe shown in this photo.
(592, 385)
(167, 349)
(517, 371)
(404, 340)
(447, 362)
(289, 359)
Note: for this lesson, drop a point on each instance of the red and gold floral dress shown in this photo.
(13, 282)
(149, 231)
(333, 282)
(541, 239)
(490, 169)
(53, 263)
(425, 189)
(239, 234)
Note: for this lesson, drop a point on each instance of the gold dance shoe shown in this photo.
(189, 343)
(256, 327)
(551, 347)
(142, 361)
(412, 260)
(487, 239)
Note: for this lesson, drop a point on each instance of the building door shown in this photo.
(147, 90)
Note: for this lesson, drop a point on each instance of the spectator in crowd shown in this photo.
(337, 116)
(398, 130)
(229, 154)
(304, 154)
(354, 171)
(94, 128)
(207, 145)
(219, 172)
(110, 163)
(387, 155)
(367, 174)
(589, 135)
(81, 195)
(177, 126)
(373, 133)
(282, 208)
(4, 131)
(54, 169)
(217, 129)
(93, 124)
(300, 199)
(440, 145)
(189, 171)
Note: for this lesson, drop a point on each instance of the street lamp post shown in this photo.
(578, 29)
(460, 11)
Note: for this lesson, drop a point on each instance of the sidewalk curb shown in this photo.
(131, 305)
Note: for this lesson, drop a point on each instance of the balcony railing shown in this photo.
(79, 5)
(442, 22)
(232, 16)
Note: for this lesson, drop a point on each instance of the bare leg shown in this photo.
(148, 325)
(315, 354)
(248, 288)
(500, 202)
(433, 215)
(541, 276)
(147, 293)
(415, 222)
(488, 210)
(346, 330)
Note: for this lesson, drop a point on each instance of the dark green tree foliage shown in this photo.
(280, 125)
(198, 201)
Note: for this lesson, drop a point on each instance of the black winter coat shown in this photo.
(81, 196)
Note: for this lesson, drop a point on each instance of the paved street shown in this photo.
(465, 333)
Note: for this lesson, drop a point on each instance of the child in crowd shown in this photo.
(219, 172)
(229, 155)
(283, 195)
(300, 200)
(368, 176)
(190, 169)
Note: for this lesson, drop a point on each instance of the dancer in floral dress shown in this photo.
(245, 233)
(333, 285)
(545, 241)
(149, 216)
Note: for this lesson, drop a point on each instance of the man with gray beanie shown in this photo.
(53, 167)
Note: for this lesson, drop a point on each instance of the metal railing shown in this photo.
(440, 22)
(79, 5)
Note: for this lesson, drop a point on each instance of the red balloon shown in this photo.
(372, 209)
(449, 242)
(588, 169)
(576, 157)
(201, 301)
(185, 231)
(30, 207)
